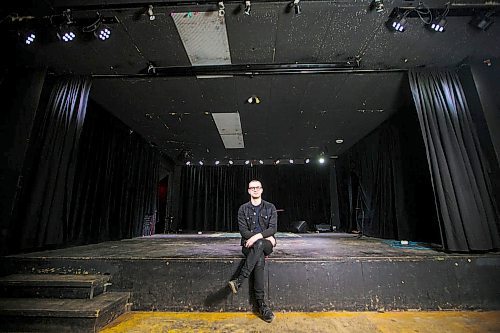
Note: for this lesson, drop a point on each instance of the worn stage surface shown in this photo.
(306, 272)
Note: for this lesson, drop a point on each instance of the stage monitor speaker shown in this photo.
(299, 227)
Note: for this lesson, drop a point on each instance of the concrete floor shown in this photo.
(345, 322)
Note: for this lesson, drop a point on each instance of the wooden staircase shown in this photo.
(58, 303)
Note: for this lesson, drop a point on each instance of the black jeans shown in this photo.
(256, 261)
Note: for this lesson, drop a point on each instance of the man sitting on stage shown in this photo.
(257, 222)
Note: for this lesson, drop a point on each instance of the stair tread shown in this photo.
(61, 307)
(54, 280)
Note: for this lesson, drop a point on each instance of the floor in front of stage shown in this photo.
(312, 246)
(334, 322)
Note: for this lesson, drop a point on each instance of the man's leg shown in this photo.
(259, 249)
(259, 283)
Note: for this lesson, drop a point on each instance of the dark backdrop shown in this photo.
(210, 196)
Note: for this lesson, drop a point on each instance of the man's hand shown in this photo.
(253, 239)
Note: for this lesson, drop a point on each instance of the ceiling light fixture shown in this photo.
(247, 162)
(230, 162)
(29, 38)
(291, 161)
(397, 23)
(103, 33)
(277, 161)
(188, 163)
(339, 141)
(217, 162)
(248, 7)
(321, 160)
(200, 162)
(296, 6)
(378, 6)
(439, 22)
(261, 162)
(222, 8)
(151, 13)
(482, 20)
(307, 161)
(253, 100)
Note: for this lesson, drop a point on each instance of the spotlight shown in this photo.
(291, 161)
(261, 162)
(151, 14)
(248, 7)
(217, 162)
(230, 162)
(321, 160)
(483, 20)
(378, 5)
(222, 8)
(438, 24)
(307, 161)
(200, 162)
(247, 162)
(339, 141)
(296, 7)
(103, 33)
(277, 161)
(397, 23)
(253, 100)
(66, 34)
(188, 163)
(30, 38)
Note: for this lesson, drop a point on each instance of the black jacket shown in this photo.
(268, 220)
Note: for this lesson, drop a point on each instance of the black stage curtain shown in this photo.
(20, 95)
(117, 180)
(457, 167)
(42, 211)
(210, 196)
(371, 187)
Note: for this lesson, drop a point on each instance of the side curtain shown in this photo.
(372, 188)
(457, 167)
(42, 211)
(117, 181)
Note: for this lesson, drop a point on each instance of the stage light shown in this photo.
(103, 33)
(247, 162)
(151, 13)
(248, 7)
(378, 5)
(253, 100)
(296, 6)
(29, 38)
(291, 161)
(66, 35)
(397, 23)
(217, 162)
(339, 141)
(483, 20)
(307, 161)
(261, 162)
(277, 161)
(230, 162)
(188, 163)
(200, 162)
(222, 8)
(321, 160)
(438, 24)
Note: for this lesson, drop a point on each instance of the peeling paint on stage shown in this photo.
(306, 272)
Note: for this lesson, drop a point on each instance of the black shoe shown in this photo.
(265, 312)
(234, 285)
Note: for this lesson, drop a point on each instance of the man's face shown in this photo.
(255, 189)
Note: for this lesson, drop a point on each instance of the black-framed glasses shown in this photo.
(254, 188)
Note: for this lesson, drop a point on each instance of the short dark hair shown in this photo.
(255, 180)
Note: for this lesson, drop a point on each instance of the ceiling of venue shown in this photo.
(299, 114)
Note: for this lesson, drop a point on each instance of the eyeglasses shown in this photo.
(254, 188)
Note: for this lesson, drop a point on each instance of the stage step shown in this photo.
(61, 315)
(53, 285)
